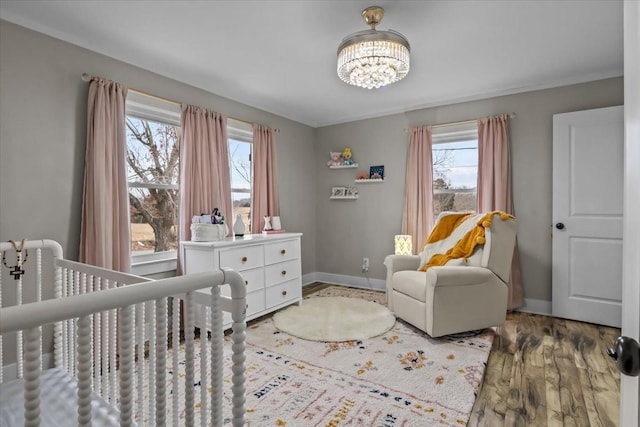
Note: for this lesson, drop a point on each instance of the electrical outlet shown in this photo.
(365, 265)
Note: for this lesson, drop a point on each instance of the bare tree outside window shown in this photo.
(240, 167)
(153, 170)
(455, 169)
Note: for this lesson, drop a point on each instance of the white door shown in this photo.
(630, 386)
(588, 153)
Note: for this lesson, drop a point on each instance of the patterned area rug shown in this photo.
(400, 378)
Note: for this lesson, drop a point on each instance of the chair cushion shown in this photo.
(411, 283)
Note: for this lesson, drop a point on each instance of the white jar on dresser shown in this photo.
(270, 265)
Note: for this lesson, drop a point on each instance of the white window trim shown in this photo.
(148, 107)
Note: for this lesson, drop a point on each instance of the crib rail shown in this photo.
(112, 334)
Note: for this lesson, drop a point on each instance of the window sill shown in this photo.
(144, 264)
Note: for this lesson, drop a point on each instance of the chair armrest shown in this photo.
(401, 262)
(458, 276)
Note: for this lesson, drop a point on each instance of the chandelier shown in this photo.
(373, 59)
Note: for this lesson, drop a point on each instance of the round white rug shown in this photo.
(332, 319)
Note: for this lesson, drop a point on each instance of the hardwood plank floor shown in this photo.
(545, 371)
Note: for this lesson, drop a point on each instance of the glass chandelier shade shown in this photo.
(372, 59)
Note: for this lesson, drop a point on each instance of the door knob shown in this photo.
(560, 226)
(626, 353)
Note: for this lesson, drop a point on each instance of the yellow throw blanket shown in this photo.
(466, 245)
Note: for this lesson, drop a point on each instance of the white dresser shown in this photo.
(270, 265)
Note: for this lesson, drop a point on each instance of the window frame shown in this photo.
(147, 107)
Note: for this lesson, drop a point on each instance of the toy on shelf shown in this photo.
(347, 156)
(362, 175)
(335, 158)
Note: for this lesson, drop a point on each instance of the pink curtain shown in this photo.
(104, 232)
(205, 182)
(265, 199)
(417, 217)
(494, 187)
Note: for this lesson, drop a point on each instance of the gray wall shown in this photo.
(42, 138)
(351, 230)
(42, 143)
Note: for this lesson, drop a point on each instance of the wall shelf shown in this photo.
(343, 197)
(355, 165)
(369, 181)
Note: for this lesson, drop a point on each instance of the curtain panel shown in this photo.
(265, 199)
(494, 187)
(104, 233)
(205, 181)
(417, 216)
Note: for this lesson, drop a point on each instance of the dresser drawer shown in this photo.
(255, 302)
(283, 292)
(243, 258)
(281, 251)
(253, 279)
(281, 272)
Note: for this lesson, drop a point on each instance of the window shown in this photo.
(153, 148)
(455, 167)
(240, 136)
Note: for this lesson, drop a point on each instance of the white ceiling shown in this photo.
(280, 56)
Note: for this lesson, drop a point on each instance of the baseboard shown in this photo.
(353, 281)
(536, 306)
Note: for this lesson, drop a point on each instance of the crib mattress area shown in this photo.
(58, 407)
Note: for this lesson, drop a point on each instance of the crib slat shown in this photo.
(203, 366)
(32, 377)
(188, 350)
(113, 350)
(217, 338)
(57, 328)
(175, 345)
(126, 366)
(1, 337)
(84, 370)
(140, 341)
(152, 360)
(161, 362)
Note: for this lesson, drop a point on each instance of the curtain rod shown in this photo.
(510, 115)
(87, 78)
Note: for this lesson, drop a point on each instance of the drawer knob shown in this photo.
(244, 259)
(284, 272)
(246, 283)
(283, 251)
(284, 293)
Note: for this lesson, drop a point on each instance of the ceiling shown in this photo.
(280, 56)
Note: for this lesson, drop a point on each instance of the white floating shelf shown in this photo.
(367, 181)
(355, 165)
(343, 197)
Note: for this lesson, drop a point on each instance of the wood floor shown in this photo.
(545, 371)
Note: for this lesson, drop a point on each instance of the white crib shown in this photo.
(109, 334)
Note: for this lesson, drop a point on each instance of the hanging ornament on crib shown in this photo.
(16, 270)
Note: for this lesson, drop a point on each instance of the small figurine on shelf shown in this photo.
(336, 158)
(362, 175)
(347, 156)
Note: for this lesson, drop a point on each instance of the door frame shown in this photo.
(630, 386)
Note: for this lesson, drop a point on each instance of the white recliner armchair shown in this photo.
(463, 295)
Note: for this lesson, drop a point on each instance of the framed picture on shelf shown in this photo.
(338, 191)
(376, 172)
(351, 192)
